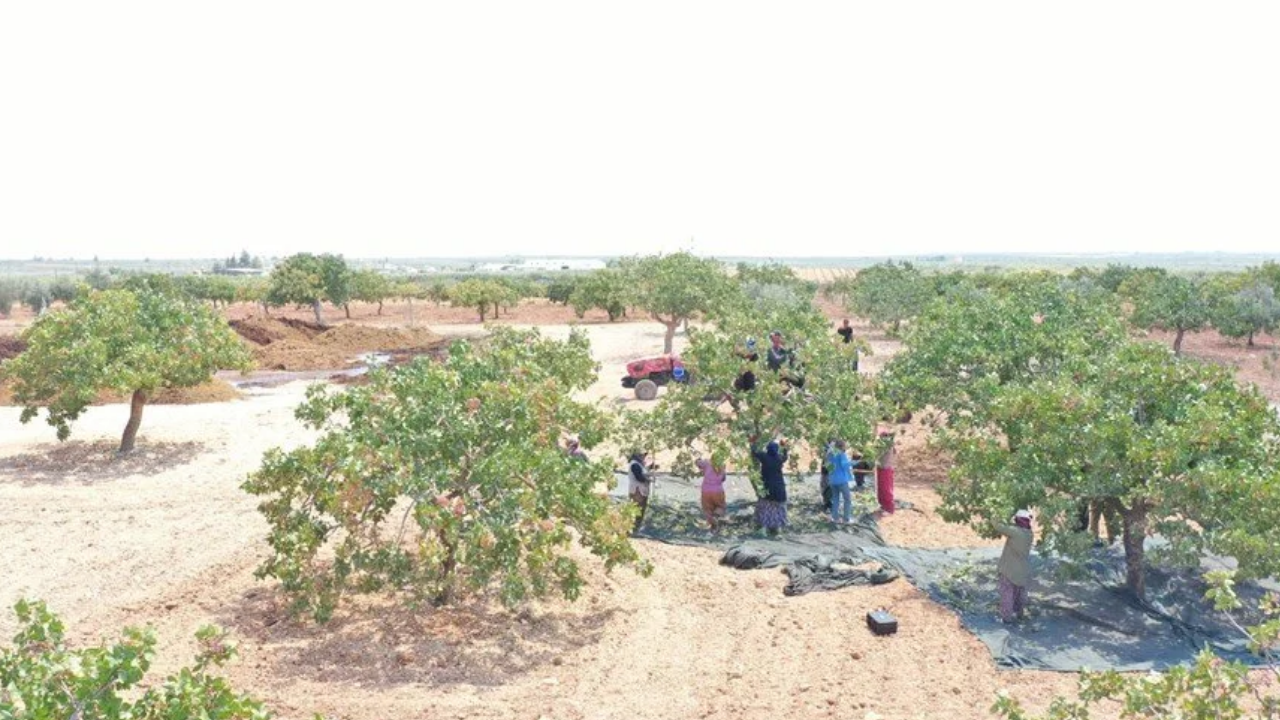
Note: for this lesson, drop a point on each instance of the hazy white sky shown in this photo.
(175, 129)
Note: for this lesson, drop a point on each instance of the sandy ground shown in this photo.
(166, 538)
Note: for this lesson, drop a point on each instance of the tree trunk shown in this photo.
(1135, 535)
(379, 307)
(315, 307)
(1177, 341)
(484, 307)
(130, 436)
(450, 564)
(669, 338)
(1250, 342)
(346, 307)
(266, 309)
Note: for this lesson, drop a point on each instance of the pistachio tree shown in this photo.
(888, 293)
(1172, 446)
(370, 286)
(607, 289)
(308, 280)
(962, 350)
(1170, 302)
(441, 479)
(42, 676)
(676, 288)
(479, 294)
(815, 397)
(120, 341)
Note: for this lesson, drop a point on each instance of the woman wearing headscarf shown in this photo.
(640, 484)
(885, 465)
(1015, 566)
(771, 510)
(713, 500)
(838, 479)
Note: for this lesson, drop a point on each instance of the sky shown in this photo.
(446, 129)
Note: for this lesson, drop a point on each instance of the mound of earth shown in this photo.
(288, 344)
(213, 391)
(264, 331)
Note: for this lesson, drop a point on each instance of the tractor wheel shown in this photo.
(646, 390)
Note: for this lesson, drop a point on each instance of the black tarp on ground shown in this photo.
(1073, 624)
(1079, 623)
(815, 553)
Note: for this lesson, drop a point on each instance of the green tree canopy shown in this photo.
(1252, 309)
(478, 293)
(962, 350)
(713, 413)
(676, 288)
(122, 341)
(441, 478)
(1169, 302)
(561, 289)
(606, 289)
(1171, 445)
(370, 286)
(42, 677)
(306, 279)
(889, 293)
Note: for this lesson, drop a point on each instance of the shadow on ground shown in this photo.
(94, 462)
(385, 643)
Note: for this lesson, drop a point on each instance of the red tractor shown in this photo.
(646, 374)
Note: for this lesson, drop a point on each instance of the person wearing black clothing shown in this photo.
(771, 510)
(640, 485)
(862, 469)
(746, 380)
(845, 331)
(777, 354)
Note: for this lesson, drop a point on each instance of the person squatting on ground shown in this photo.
(1015, 566)
(713, 500)
(884, 471)
(839, 479)
(771, 510)
(639, 485)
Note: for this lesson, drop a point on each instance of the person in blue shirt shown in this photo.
(838, 479)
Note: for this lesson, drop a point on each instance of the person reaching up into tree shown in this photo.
(839, 478)
(1015, 566)
(713, 499)
(771, 510)
(782, 360)
(640, 484)
(885, 465)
